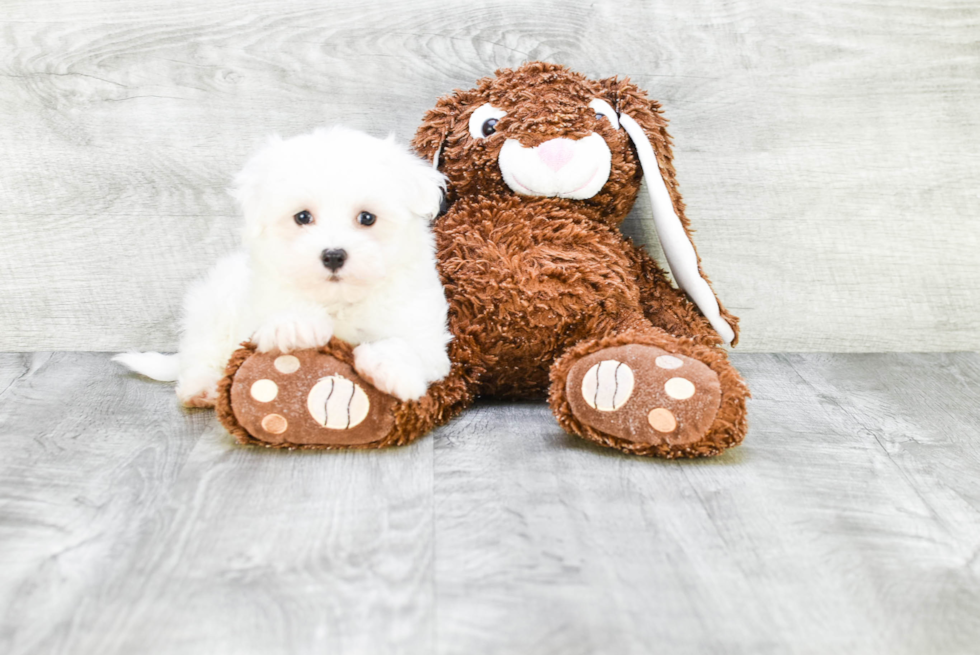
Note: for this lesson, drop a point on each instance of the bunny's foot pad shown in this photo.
(644, 394)
(304, 399)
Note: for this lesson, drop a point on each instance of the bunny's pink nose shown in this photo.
(556, 152)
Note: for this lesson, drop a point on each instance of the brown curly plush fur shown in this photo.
(535, 283)
(412, 419)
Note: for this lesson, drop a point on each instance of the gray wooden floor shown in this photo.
(849, 521)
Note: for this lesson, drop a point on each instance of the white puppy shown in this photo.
(337, 242)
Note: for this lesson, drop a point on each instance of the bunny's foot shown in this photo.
(681, 401)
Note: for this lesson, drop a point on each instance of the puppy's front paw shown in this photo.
(288, 332)
(391, 367)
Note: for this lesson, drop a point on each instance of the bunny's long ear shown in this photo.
(646, 127)
(436, 126)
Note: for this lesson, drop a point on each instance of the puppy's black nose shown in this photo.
(333, 259)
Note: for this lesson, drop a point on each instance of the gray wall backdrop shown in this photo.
(828, 151)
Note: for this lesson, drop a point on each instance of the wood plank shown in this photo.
(88, 454)
(848, 522)
(825, 151)
(114, 549)
(260, 551)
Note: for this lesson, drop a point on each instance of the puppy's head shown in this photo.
(335, 213)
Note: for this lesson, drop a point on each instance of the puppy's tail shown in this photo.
(153, 365)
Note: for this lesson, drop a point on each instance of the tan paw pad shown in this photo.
(308, 398)
(669, 362)
(608, 385)
(679, 388)
(662, 420)
(337, 403)
(275, 424)
(644, 394)
(287, 364)
(264, 391)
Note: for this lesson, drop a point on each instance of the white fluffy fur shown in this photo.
(526, 171)
(386, 298)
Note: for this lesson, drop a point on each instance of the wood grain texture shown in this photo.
(826, 151)
(128, 525)
(849, 521)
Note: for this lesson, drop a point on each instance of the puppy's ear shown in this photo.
(426, 188)
(247, 187)
(643, 121)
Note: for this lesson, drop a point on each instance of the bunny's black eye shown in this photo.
(303, 218)
(366, 219)
(483, 121)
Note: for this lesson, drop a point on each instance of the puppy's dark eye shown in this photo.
(599, 117)
(303, 218)
(489, 126)
(366, 219)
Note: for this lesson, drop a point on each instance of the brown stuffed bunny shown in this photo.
(546, 295)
